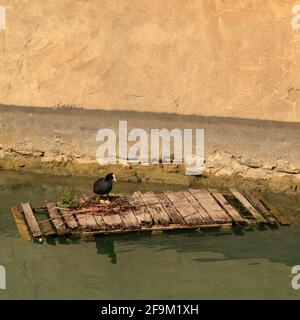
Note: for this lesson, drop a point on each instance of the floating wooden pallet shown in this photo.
(193, 208)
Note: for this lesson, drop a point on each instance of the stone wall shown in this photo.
(63, 142)
(203, 57)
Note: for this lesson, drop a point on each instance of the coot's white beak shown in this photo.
(115, 180)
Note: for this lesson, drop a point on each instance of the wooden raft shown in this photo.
(192, 208)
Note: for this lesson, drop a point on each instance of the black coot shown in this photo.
(104, 185)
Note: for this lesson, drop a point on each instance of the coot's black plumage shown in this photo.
(104, 185)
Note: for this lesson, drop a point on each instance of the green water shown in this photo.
(240, 264)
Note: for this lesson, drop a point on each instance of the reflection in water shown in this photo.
(106, 246)
(259, 243)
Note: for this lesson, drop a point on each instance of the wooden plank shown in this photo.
(31, 220)
(282, 219)
(113, 221)
(210, 205)
(169, 227)
(99, 219)
(91, 222)
(129, 220)
(258, 217)
(87, 221)
(260, 207)
(21, 224)
(81, 218)
(140, 210)
(69, 218)
(185, 208)
(174, 215)
(205, 216)
(156, 210)
(56, 219)
(231, 211)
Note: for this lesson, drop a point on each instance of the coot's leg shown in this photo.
(108, 196)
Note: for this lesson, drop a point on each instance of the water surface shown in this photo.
(226, 264)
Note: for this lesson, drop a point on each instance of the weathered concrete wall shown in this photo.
(204, 57)
(63, 142)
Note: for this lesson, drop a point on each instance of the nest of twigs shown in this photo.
(117, 205)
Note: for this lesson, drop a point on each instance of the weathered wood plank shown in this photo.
(174, 215)
(113, 221)
(82, 222)
(260, 207)
(282, 219)
(31, 220)
(185, 208)
(231, 211)
(91, 222)
(130, 221)
(21, 224)
(148, 198)
(180, 202)
(210, 205)
(156, 210)
(140, 210)
(56, 219)
(87, 221)
(205, 216)
(69, 218)
(170, 227)
(259, 218)
(99, 219)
